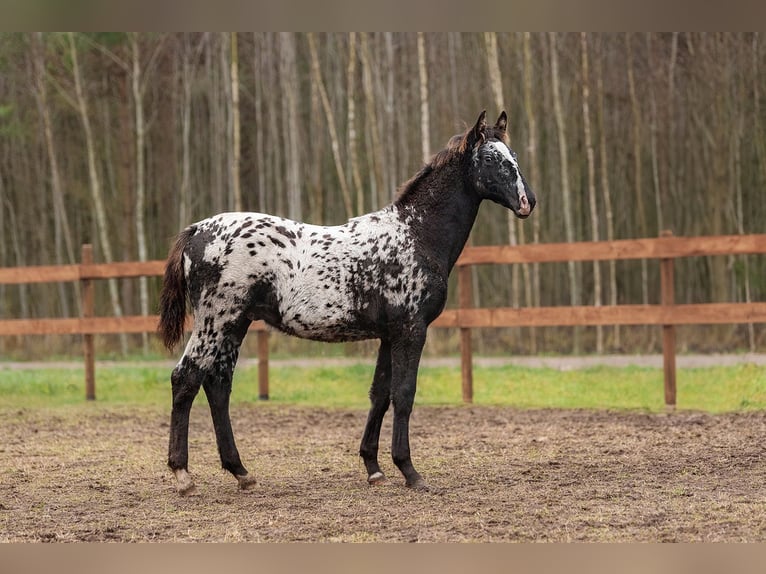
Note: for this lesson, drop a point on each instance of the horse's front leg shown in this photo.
(380, 398)
(405, 358)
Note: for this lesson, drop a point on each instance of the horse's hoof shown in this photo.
(184, 484)
(246, 482)
(188, 490)
(419, 485)
(376, 478)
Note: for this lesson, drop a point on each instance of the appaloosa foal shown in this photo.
(379, 276)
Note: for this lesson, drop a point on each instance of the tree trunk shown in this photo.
(372, 126)
(140, 127)
(95, 182)
(390, 119)
(643, 227)
(330, 116)
(425, 130)
(290, 90)
(453, 39)
(356, 178)
(185, 195)
(760, 149)
(217, 126)
(258, 127)
(275, 179)
(534, 173)
(496, 83)
(19, 259)
(566, 195)
(592, 202)
(62, 230)
(605, 188)
(235, 140)
(653, 128)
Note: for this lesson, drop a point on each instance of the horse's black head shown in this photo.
(494, 171)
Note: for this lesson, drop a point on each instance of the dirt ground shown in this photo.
(95, 473)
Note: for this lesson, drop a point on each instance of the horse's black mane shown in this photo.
(457, 146)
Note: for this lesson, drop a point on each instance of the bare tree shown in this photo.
(330, 116)
(643, 228)
(62, 230)
(351, 123)
(592, 202)
(534, 171)
(566, 194)
(140, 129)
(372, 126)
(258, 124)
(425, 129)
(185, 196)
(496, 83)
(94, 178)
(605, 188)
(235, 139)
(390, 119)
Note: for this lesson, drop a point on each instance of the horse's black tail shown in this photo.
(173, 295)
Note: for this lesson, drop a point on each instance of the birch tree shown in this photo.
(372, 126)
(353, 159)
(566, 194)
(534, 171)
(592, 202)
(330, 116)
(638, 186)
(97, 195)
(425, 127)
(62, 230)
(496, 82)
(140, 130)
(185, 197)
(235, 140)
(605, 188)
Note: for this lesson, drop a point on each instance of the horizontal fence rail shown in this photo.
(667, 314)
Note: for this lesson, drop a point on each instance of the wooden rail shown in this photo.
(667, 314)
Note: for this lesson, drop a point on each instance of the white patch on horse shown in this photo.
(506, 153)
(317, 273)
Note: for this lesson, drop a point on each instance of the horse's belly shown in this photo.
(321, 318)
(327, 333)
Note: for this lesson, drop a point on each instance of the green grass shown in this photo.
(723, 389)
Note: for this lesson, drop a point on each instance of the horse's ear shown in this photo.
(478, 133)
(502, 122)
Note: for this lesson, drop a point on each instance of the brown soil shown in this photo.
(95, 473)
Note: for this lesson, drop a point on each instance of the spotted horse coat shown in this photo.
(381, 275)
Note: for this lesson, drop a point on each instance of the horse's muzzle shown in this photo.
(525, 208)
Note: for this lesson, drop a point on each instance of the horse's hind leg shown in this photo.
(380, 397)
(186, 379)
(218, 390)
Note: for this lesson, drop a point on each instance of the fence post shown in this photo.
(89, 352)
(465, 298)
(263, 365)
(667, 297)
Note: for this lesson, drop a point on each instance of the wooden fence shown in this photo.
(667, 314)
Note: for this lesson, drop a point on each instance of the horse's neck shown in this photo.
(442, 215)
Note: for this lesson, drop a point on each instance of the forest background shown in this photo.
(123, 139)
